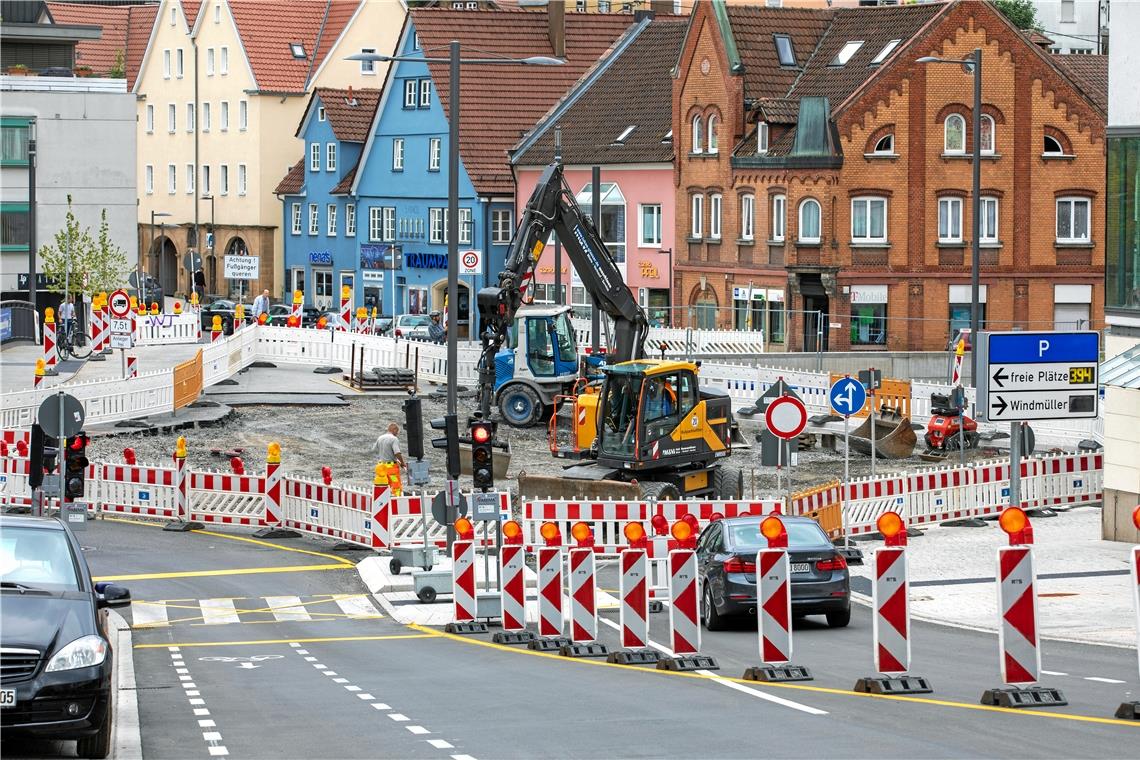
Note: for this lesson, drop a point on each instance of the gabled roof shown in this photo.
(293, 180)
(190, 9)
(267, 27)
(125, 27)
(627, 89)
(754, 30)
(344, 187)
(501, 102)
(1089, 73)
(349, 111)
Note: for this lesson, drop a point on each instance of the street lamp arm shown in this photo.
(534, 60)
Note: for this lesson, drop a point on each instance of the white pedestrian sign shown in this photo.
(241, 267)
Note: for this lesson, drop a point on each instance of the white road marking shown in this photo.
(731, 684)
(440, 744)
(330, 673)
(184, 678)
(188, 684)
(201, 711)
(148, 614)
(174, 649)
(193, 693)
(462, 757)
(197, 701)
(211, 736)
(1053, 673)
(350, 687)
(218, 751)
(398, 717)
(340, 680)
(295, 645)
(181, 671)
(218, 611)
(206, 724)
(381, 706)
(302, 651)
(310, 658)
(1102, 680)
(365, 697)
(357, 607)
(287, 608)
(418, 730)
(320, 666)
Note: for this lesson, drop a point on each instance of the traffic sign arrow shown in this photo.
(999, 405)
(1000, 376)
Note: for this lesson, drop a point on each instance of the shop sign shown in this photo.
(649, 270)
(320, 257)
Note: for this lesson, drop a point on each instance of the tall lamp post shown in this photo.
(213, 235)
(142, 270)
(453, 60)
(972, 64)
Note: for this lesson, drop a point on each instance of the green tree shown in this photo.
(119, 69)
(87, 264)
(1021, 13)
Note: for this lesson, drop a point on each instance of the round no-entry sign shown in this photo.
(119, 304)
(786, 417)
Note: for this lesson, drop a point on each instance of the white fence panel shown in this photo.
(340, 512)
(108, 400)
(168, 329)
(136, 490)
(227, 499)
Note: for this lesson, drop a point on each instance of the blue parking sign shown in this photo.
(847, 396)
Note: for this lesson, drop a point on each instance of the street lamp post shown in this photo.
(973, 64)
(32, 213)
(213, 233)
(142, 270)
(454, 60)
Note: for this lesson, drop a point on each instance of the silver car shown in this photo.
(412, 326)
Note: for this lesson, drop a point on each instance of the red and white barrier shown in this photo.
(891, 622)
(1017, 603)
(50, 356)
(463, 580)
(345, 310)
(513, 602)
(227, 499)
(97, 328)
(583, 599)
(381, 500)
(272, 499)
(634, 592)
(105, 323)
(550, 613)
(684, 593)
(132, 367)
(181, 487)
(774, 606)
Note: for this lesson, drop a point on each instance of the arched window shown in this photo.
(809, 221)
(704, 310)
(712, 142)
(1053, 146)
(761, 138)
(886, 144)
(698, 134)
(954, 134)
(988, 133)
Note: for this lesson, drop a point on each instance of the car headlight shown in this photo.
(81, 653)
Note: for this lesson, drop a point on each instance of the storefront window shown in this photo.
(960, 317)
(581, 304)
(417, 300)
(868, 315)
(1122, 252)
(776, 321)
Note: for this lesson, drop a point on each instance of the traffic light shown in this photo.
(41, 457)
(482, 456)
(449, 423)
(75, 462)
(414, 427)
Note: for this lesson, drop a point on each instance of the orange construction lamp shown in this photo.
(464, 529)
(890, 524)
(660, 525)
(635, 534)
(512, 532)
(691, 519)
(772, 528)
(715, 516)
(550, 534)
(582, 534)
(684, 534)
(1136, 517)
(1015, 523)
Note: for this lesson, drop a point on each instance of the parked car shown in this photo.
(224, 308)
(55, 652)
(726, 559)
(411, 326)
(279, 312)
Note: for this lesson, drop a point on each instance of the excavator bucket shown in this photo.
(558, 487)
(894, 436)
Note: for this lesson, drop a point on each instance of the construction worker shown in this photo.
(388, 447)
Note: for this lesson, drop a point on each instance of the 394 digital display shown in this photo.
(1081, 375)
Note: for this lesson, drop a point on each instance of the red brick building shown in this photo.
(823, 176)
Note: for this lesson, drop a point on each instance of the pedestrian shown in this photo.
(261, 304)
(388, 446)
(436, 331)
(67, 315)
(200, 285)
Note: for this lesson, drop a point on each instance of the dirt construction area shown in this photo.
(342, 437)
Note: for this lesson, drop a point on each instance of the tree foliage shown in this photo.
(119, 69)
(96, 264)
(1021, 13)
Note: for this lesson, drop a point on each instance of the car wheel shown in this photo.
(709, 616)
(97, 745)
(839, 619)
(520, 406)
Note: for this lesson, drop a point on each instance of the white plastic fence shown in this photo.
(680, 341)
(104, 401)
(168, 329)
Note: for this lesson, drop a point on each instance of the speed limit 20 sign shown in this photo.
(469, 262)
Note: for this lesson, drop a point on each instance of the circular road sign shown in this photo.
(847, 396)
(786, 417)
(119, 304)
(71, 421)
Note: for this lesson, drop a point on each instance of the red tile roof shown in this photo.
(501, 102)
(126, 28)
(291, 183)
(344, 187)
(350, 120)
(754, 29)
(1090, 75)
(190, 9)
(267, 27)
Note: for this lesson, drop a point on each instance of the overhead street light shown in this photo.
(973, 65)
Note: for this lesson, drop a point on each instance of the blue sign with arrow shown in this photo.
(847, 396)
(1028, 376)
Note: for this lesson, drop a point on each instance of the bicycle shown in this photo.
(71, 340)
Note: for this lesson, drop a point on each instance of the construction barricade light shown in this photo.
(177, 308)
(582, 534)
(1015, 523)
(660, 525)
(180, 447)
(237, 465)
(634, 533)
(326, 475)
(464, 528)
(154, 309)
(1136, 517)
(682, 531)
(273, 453)
(129, 456)
(345, 292)
(262, 318)
(716, 516)
(691, 520)
(512, 532)
(890, 524)
(772, 528)
(298, 297)
(322, 322)
(217, 324)
(550, 533)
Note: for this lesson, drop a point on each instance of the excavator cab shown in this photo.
(539, 360)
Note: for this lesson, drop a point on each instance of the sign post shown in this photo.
(872, 378)
(786, 418)
(847, 396)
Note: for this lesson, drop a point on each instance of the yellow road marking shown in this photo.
(232, 571)
(799, 687)
(263, 610)
(389, 637)
(269, 545)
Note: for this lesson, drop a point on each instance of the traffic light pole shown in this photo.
(62, 456)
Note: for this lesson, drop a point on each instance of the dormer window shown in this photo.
(784, 50)
(887, 50)
(624, 135)
(886, 144)
(846, 52)
(321, 113)
(297, 49)
(762, 138)
(668, 138)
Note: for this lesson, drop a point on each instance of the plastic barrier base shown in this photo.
(513, 637)
(279, 533)
(551, 644)
(591, 649)
(965, 522)
(778, 673)
(904, 684)
(1128, 711)
(465, 628)
(688, 662)
(180, 526)
(1033, 696)
(634, 657)
(21, 510)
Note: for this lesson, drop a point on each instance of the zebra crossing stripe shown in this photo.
(634, 599)
(891, 622)
(356, 606)
(218, 611)
(148, 614)
(1017, 600)
(287, 608)
(774, 614)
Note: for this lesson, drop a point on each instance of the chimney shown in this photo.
(556, 26)
(350, 100)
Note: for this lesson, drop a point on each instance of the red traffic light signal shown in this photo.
(482, 455)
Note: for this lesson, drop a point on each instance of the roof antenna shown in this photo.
(558, 144)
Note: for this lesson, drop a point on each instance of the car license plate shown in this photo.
(801, 567)
(7, 698)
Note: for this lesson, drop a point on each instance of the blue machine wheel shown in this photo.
(520, 406)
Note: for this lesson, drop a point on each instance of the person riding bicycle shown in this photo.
(67, 315)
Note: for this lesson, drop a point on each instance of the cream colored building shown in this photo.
(221, 87)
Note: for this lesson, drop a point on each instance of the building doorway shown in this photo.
(323, 288)
(463, 305)
(816, 312)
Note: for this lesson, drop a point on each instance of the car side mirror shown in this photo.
(110, 595)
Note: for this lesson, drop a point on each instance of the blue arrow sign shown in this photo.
(847, 396)
(1041, 348)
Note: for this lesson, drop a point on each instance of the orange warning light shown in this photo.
(512, 529)
(634, 532)
(581, 532)
(889, 524)
(1013, 520)
(682, 530)
(771, 527)
(550, 533)
(464, 528)
(660, 524)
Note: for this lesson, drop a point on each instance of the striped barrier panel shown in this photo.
(774, 608)
(890, 625)
(167, 329)
(551, 621)
(684, 593)
(144, 490)
(227, 499)
(868, 498)
(1020, 655)
(342, 512)
(512, 562)
(634, 592)
(1070, 480)
(583, 597)
(463, 580)
(939, 495)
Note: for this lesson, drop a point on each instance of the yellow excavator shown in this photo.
(646, 429)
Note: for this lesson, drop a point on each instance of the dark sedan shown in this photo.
(279, 314)
(55, 653)
(726, 556)
(224, 308)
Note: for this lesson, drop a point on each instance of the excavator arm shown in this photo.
(553, 208)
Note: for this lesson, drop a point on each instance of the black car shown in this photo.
(224, 308)
(55, 653)
(726, 558)
(279, 313)
(152, 291)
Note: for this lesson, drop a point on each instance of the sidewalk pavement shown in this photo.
(1084, 587)
(19, 364)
